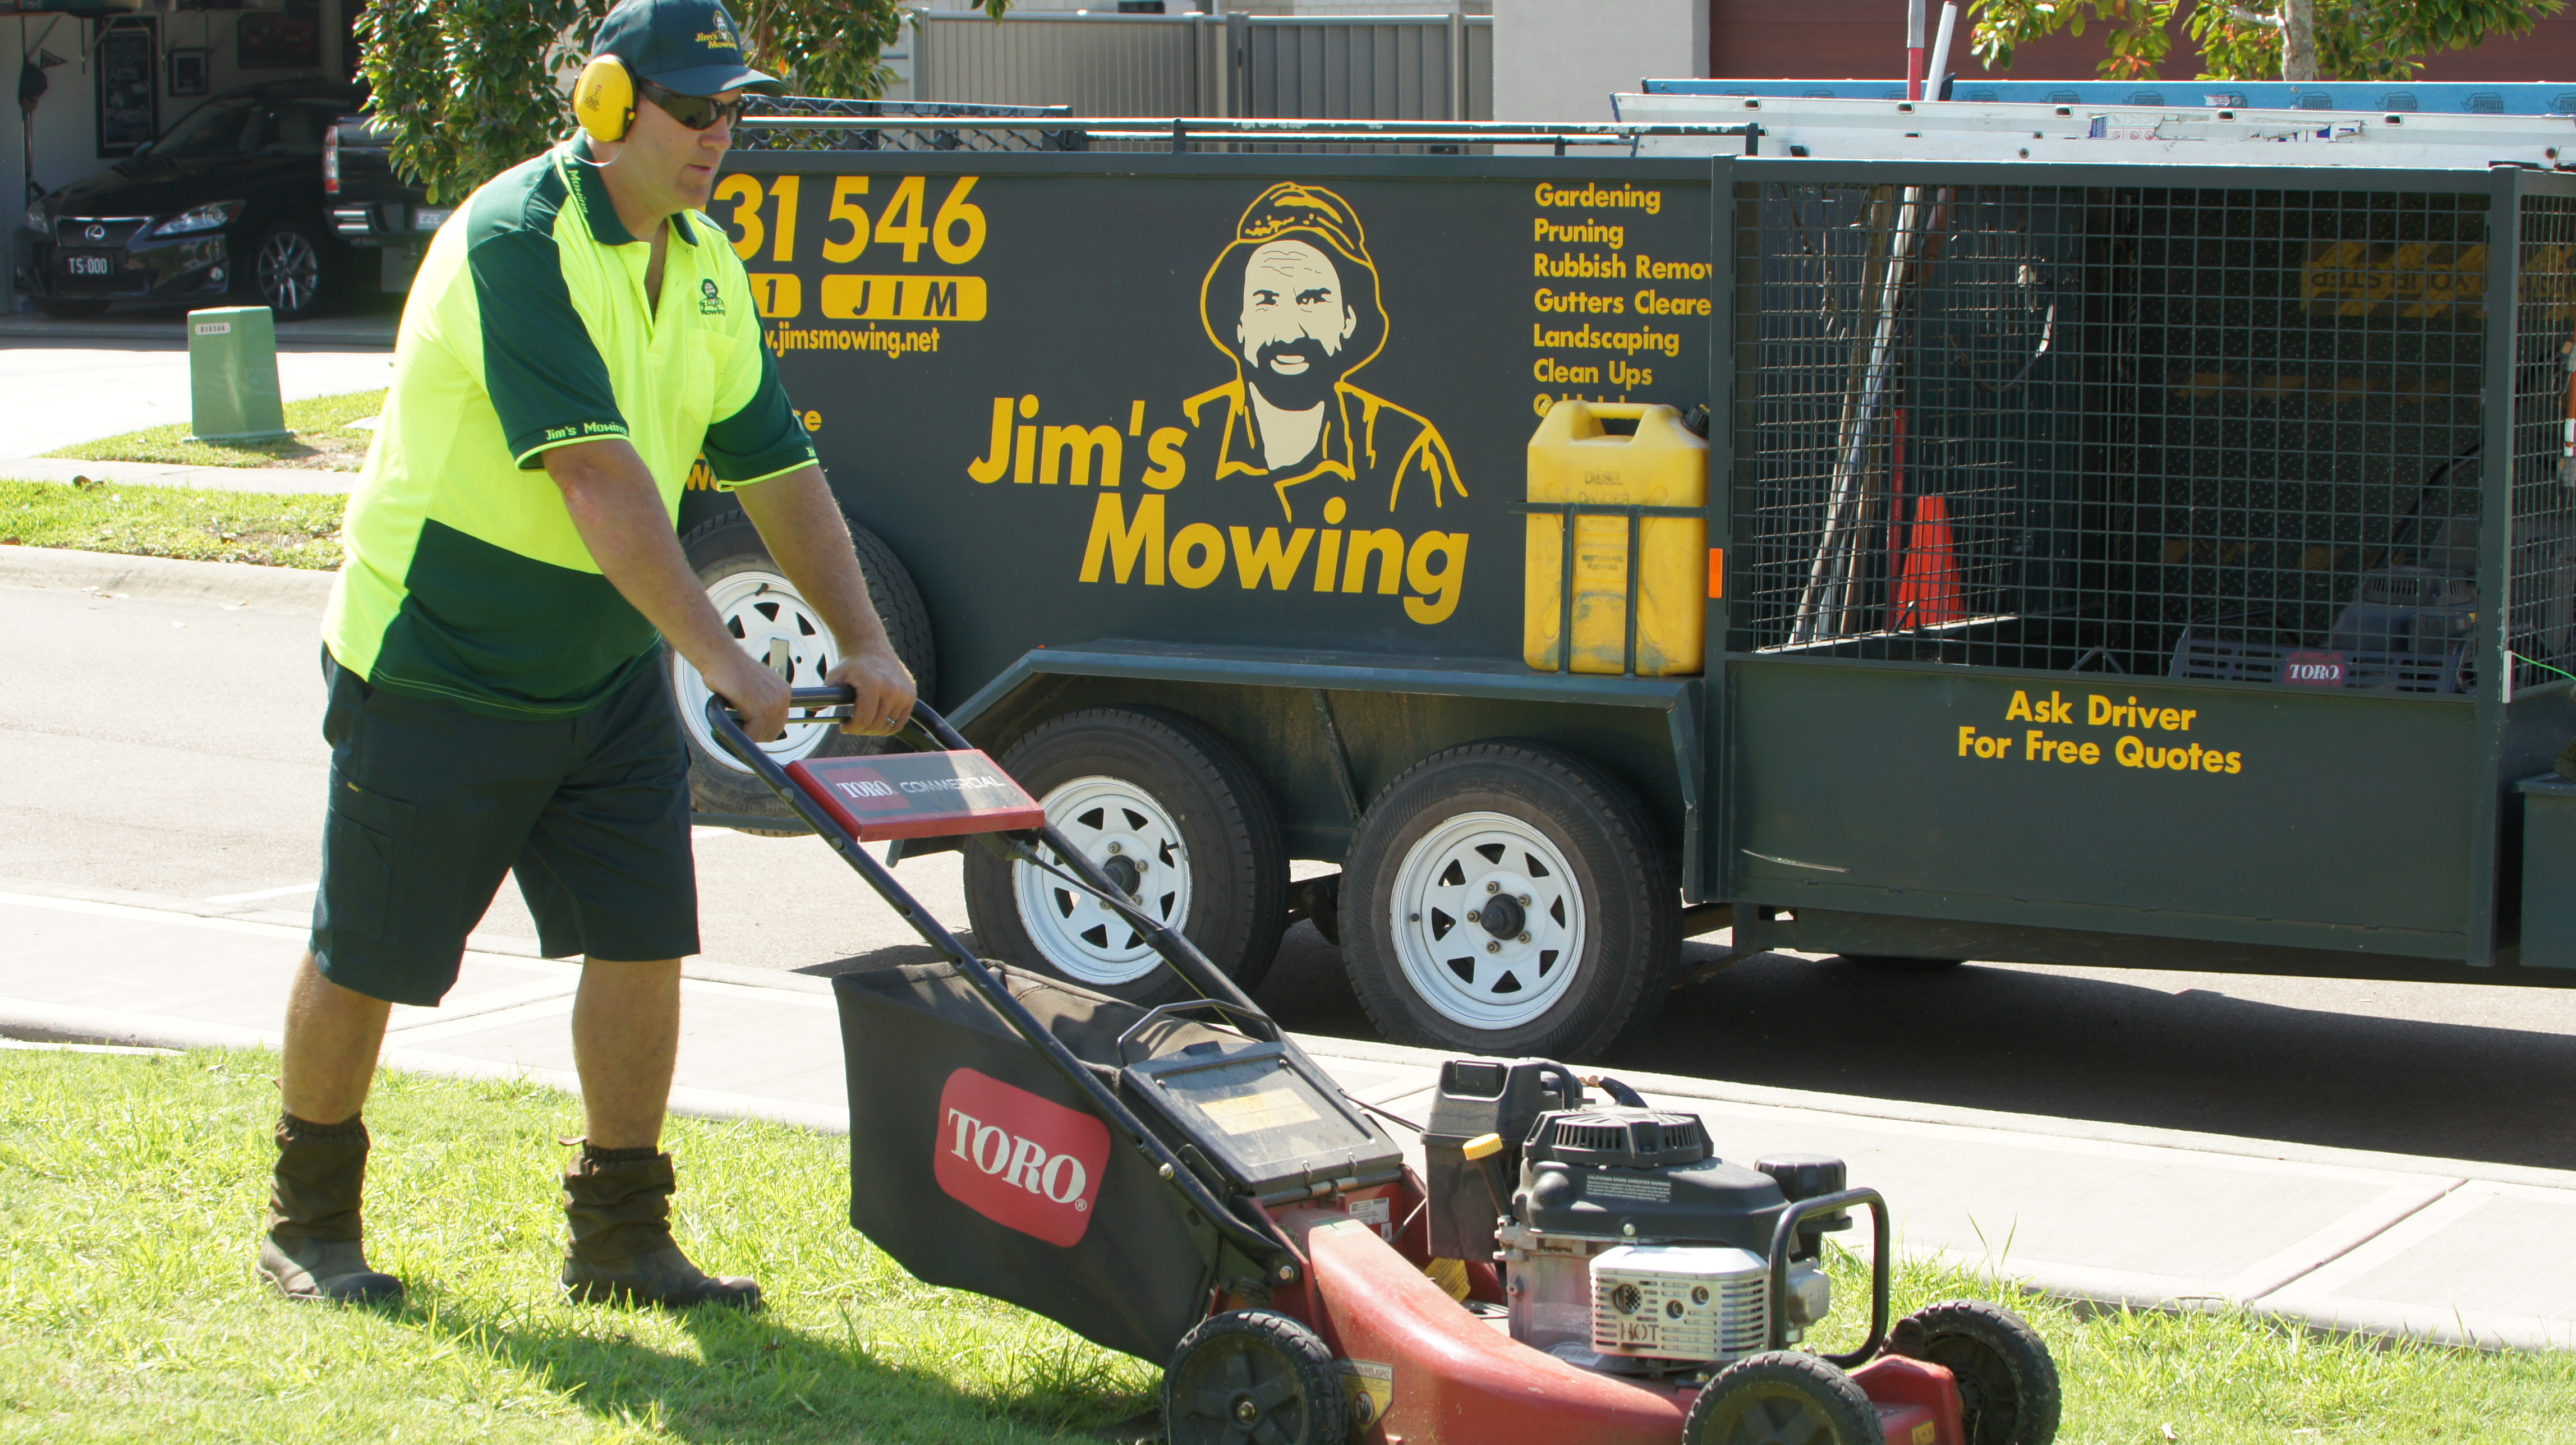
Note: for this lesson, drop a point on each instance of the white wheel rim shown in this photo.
(1115, 824)
(1446, 889)
(762, 610)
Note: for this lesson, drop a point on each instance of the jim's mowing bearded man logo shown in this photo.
(1294, 302)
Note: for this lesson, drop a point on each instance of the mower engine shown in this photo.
(1625, 1244)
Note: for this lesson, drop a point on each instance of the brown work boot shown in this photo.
(618, 1202)
(313, 1250)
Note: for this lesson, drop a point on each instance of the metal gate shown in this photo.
(1343, 67)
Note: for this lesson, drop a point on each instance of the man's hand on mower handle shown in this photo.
(883, 689)
(752, 690)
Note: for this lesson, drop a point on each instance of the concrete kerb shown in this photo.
(2301, 1292)
(225, 584)
(273, 480)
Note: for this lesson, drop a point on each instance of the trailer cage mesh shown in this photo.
(2234, 433)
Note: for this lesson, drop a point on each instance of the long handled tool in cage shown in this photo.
(1826, 599)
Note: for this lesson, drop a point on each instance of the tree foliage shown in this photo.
(2355, 39)
(469, 88)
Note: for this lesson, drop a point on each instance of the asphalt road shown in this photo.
(172, 748)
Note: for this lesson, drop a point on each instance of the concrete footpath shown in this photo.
(2446, 1250)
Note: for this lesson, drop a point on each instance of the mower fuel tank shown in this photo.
(1265, 1127)
(1477, 1097)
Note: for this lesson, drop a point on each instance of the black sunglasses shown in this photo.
(697, 112)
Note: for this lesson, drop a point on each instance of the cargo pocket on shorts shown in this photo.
(363, 843)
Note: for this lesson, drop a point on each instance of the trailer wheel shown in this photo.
(1166, 807)
(1510, 898)
(1254, 1375)
(2008, 1387)
(1784, 1395)
(761, 607)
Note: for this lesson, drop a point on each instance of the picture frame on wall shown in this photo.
(189, 67)
(278, 39)
(129, 91)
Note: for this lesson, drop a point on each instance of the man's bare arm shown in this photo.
(802, 525)
(617, 507)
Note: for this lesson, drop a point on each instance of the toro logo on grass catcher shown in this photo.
(1018, 1160)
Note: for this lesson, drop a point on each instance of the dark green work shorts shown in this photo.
(431, 804)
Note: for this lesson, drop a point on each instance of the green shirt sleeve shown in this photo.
(542, 369)
(761, 435)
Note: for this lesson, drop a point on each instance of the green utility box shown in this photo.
(2548, 872)
(232, 376)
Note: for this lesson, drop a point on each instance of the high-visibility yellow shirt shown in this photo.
(528, 328)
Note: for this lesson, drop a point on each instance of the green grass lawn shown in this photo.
(129, 1198)
(282, 530)
(323, 440)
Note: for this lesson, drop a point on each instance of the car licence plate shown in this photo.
(430, 218)
(83, 263)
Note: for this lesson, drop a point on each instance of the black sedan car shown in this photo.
(226, 204)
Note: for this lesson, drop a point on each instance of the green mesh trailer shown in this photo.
(2159, 566)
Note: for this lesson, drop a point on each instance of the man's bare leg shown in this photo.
(625, 1042)
(332, 1038)
(314, 1249)
(617, 1197)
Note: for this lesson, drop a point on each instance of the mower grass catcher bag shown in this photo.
(977, 1166)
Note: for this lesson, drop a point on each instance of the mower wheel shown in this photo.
(1254, 1376)
(2008, 1387)
(759, 606)
(1786, 1395)
(1173, 813)
(1510, 898)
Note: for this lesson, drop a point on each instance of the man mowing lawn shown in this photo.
(578, 334)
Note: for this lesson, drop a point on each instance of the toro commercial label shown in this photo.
(1018, 1160)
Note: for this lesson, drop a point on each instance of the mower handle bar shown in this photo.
(1785, 1234)
(1277, 1259)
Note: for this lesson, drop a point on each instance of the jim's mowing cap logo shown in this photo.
(710, 300)
(1023, 1162)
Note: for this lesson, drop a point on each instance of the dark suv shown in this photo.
(223, 204)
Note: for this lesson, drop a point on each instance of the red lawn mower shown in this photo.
(1183, 1184)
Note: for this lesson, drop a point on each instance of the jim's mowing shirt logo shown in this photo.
(1309, 481)
(1023, 1162)
(710, 300)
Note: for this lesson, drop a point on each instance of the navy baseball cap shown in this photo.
(691, 46)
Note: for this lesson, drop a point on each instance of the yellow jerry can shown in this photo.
(1572, 459)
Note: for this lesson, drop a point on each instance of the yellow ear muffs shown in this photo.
(603, 99)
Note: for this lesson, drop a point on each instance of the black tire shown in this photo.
(758, 603)
(290, 272)
(2008, 1387)
(1125, 783)
(1784, 1396)
(1617, 887)
(71, 308)
(1254, 1376)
